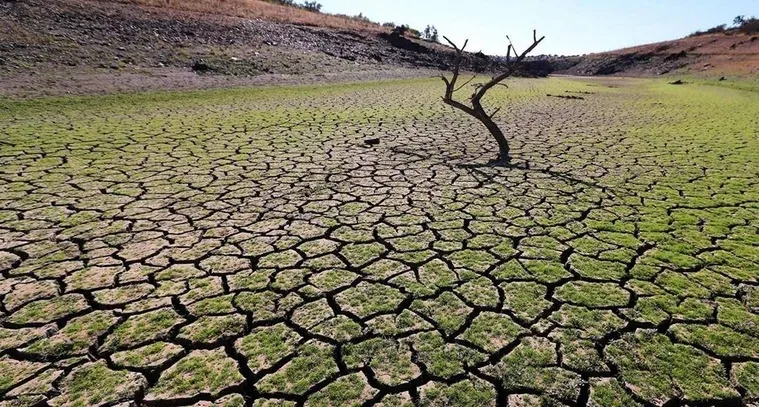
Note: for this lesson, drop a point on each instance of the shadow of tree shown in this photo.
(478, 170)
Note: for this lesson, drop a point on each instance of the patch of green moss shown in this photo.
(149, 356)
(75, 338)
(593, 323)
(123, 294)
(339, 328)
(13, 372)
(14, 338)
(609, 393)
(475, 260)
(312, 364)
(391, 325)
(200, 372)
(44, 311)
(656, 369)
(681, 285)
(492, 331)
(578, 354)
(436, 274)
(330, 280)
(480, 292)
(412, 243)
(279, 260)
(447, 310)
(734, 314)
(349, 391)
(546, 271)
(389, 360)
(369, 298)
(396, 400)
(213, 306)
(746, 376)
(471, 392)
(201, 288)
(141, 329)
(721, 340)
(266, 346)
(511, 270)
(526, 299)
(262, 305)
(593, 269)
(383, 269)
(442, 359)
(209, 329)
(714, 282)
(360, 254)
(593, 295)
(95, 384)
(531, 365)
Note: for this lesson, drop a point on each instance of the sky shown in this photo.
(571, 27)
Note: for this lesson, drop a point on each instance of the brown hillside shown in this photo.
(704, 55)
(263, 10)
(85, 46)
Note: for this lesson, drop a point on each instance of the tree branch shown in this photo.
(451, 85)
(509, 70)
(465, 83)
(458, 105)
(480, 89)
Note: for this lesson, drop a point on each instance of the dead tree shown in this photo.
(480, 89)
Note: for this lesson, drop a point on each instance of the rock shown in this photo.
(201, 67)
(677, 82)
(372, 141)
(566, 97)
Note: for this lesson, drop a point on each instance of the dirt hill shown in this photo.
(92, 46)
(54, 46)
(732, 54)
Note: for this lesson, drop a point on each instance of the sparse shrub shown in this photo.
(740, 24)
(308, 5)
(714, 30)
(401, 30)
(718, 29)
(290, 3)
(313, 6)
(750, 26)
(430, 33)
(362, 17)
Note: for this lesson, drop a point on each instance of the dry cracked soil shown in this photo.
(246, 247)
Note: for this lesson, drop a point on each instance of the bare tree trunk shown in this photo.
(476, 110)
(503, 144)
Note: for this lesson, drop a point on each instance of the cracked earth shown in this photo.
(245, 247)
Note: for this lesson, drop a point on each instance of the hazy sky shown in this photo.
(570, 26)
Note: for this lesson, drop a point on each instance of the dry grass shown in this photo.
(262, 10)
